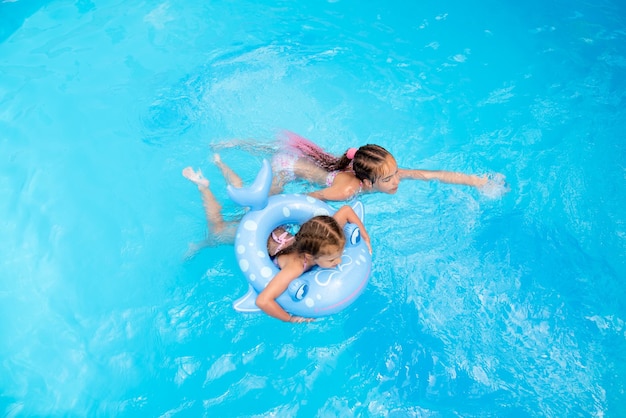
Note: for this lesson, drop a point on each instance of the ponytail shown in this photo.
(367, 161)
(315, 153)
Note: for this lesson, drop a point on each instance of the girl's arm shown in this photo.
(443, 176)
(346, 214)
(266, 301)
(329, 194)
(344, 187)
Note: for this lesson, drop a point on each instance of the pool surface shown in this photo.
(504, 305)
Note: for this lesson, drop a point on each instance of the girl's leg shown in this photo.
(212, 208)
(230, 176)
(288, 167)
(253, 147)
(309, 171)
(278, 185)
(299, 168)
(234, 179)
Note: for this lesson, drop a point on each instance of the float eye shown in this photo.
(352, 233)
(298, 289)
(319, 291)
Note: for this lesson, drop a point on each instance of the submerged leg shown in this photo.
(288, 167)
(212, 208)
(228, 173)
(251, 146)
(309, 171)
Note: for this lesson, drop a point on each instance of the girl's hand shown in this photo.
(495, 187)
(346, 214)
(366, 238)
(297, 319)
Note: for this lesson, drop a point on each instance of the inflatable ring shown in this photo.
(319, 291)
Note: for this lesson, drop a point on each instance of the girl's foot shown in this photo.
(196, 177)
(227, 172)
(217, 160)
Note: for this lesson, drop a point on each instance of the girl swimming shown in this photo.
(319, 242)
(369, 168)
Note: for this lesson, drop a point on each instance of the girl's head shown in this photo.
(322, 238)
(376, 168)
(372, 164)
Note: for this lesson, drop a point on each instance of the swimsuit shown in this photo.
(331, 177)
(283, 165)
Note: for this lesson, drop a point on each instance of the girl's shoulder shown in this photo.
(346, 177)
(347, 181)
(344, 186)
(291, 261)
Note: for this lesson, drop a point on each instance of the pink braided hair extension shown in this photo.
(308, 149)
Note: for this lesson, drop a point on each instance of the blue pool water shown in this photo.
(477, 306)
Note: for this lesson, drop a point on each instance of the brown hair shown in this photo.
(367, 162)
(315, 235)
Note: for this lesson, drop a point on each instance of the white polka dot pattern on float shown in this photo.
(324, 291)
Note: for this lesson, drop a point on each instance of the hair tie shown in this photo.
(350, 153)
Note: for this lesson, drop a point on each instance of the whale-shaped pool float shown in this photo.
(319, 291)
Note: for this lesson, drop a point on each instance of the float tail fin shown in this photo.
(247, 303)
(254, 196)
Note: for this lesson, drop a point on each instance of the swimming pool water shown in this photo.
(477, 306)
